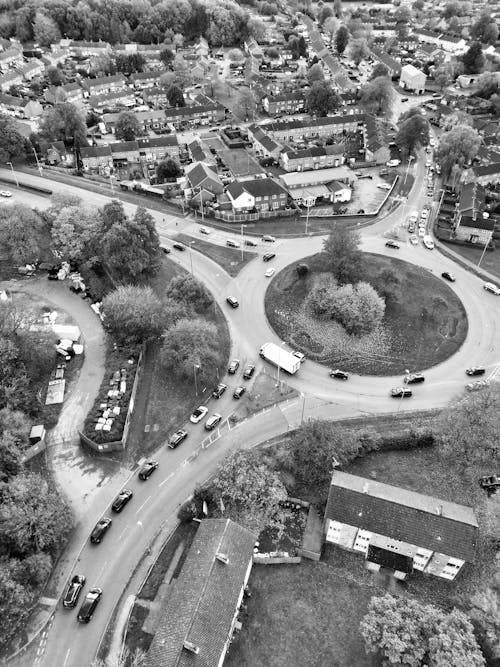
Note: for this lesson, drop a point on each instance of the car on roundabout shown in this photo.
(401, 392)
(73, 591)
(251, 243)
(198, 414)
(414, 239)
(232, 244)
(5, 193)
(249, 371)
(413, 378)
(338, 374)
(204, 230)
(233, 301)
(476, 370)
(89, 605)
(267, 238)
(100, 529)
(147, 470)
(121, 500)
(421, 232)
(270, 273)
(448, 276)
(477, 385)
(179, 436)
(179, 246)
(491, 287)
(268, 256)
(392, 244)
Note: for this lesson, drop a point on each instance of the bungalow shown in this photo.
(12, 57)
(317, 157)
(293, 102)
(412, 79)
(104, 84)
(306, 187)
(196, 623)
(399, 529)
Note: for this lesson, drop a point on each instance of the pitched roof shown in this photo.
(95, 151)
(404, 515)
(235, 189)
(472, 197)
(487, 169)
(201, 605)
(157, 142)
(199, 173)
(263, 187)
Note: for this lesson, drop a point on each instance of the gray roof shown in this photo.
(403, 515)
(201, 603)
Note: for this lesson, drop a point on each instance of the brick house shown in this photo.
(265, 193)
(399, 529)
(31, 69)
(317, 157)
(393, 65)
(297, 130)
(125, 97)
(12, 57)
(263, 144)
(293, 102)
(10, 79)
(471, 222)
(96, 158)
(199, 176)
(203, 114)
(488, 174)
(104, 84)
(146, 79)
(84, 49)
(241, 200)
(149, 120)
(196, 623)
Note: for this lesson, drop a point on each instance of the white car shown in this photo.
(421, 232)
(432, 142)
(490, 287)
(425, 214)
(204, 230)
(5, 193)
(413, 217)
(413, 239)
(198, 414)
(393, 163)
(384, 186)
(270, 273)
(428, 242)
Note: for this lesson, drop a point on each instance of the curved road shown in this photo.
(110, 564)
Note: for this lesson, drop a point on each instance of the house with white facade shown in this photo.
(307, 187)
(412, 79)
(241, 200)
(398, 529)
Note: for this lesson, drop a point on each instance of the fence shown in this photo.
(249, 217)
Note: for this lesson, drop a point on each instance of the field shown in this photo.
(490, 261)
(417, 331)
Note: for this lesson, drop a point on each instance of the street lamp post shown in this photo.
(303, 407)
(13, 173)
(279, 363)
(484, 250)
(191, 255)
(307, 216)
(37, 161)
(242, 241)
(407, 372)
(410, 158)
(195, 368)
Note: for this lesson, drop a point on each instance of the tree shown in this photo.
(358, 50)
(249, 491)
(191, 347)
(484, 29)
(190, 292)
(131, 248)
(490, 34)
(324, 13)
(473, 59)
(182, 72)
(377, 96)
(14, 432)
(337, 8)
(45, 30)
(456, 147)
(404, 631)
(236, 56)
(129, 63)
(379, 70)
(341, 39)
(245, 105)
(21, 233)
(444, 75)
(12, 142)
(315, 73)
(127, 126)
(467, 429)
(175, 96)
(134, 315)
(55, 76)
(64, 122)
(167, 170)
(341, 254)
(167, 56)
(413, 134)
(76, 234)
(452, 8)
(322, 99)
(488, 84)
(330, 26)
(485, 613)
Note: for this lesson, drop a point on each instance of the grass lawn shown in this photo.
(490, 261)
(263, 394)
(229, 258)
(418, 331)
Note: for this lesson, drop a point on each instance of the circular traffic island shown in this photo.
(417, 322)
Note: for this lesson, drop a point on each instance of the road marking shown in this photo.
(140, 508)
(101, 572)
(122, 533)
(290, 405)
(166, 479)
(66, 657)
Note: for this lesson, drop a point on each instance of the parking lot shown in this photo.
(365, 193)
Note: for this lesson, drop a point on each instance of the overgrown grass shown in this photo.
(230, 259)
(423, 327)
(263, 393)
(490, 261)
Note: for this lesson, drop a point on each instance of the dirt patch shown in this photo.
(417, 331)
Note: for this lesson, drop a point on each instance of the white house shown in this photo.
(340, 192)
(412, 79)
(240, 199)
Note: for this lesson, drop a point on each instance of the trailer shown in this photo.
(276, 355)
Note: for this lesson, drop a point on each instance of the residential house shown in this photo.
(146, 79)
(317, 157)
(297, 130)
(149, 120)
(55, 153)
(412, 79)
(11, 57)
(104, 84)
(55, 57)
(292, 102)
(31, 69)
(487, 174)
(456, 46)
(261, 194)
(393, 65)
(156, 95)
(197, 621)
(201, 69)
(202, 47)
(10, 79)
(202, 179)
(263, 144)
(341, 192)
(125, 97)
(241, 200)
(375, 141)
(158, 148)
(73, 92)
(124, 153)
(11, 103)
(253, 49)
(471, 222)
(398, 529)
(85, 49)
(307, 187)
(96, 158)
(199, 153)
(203, 114)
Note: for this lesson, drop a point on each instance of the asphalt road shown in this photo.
(110, 564)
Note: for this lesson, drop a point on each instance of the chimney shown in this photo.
(192, 648)
(222, 558)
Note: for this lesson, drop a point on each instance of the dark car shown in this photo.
(392, 244)
(101, 528)
(165, 250)
(268, 239)
(213, 421)
(238, 392)
(233, 366)
(249, 371)
(413, 378)
(250, 243)
(89, 605)
(147, 470)
(340, 375)
(476, 370)
(404, 99)
(448, 276)
(401, 392)
(219, 390)
(233, 302)
(176, 439)
(121, 500)
(178, 246)
(268, 256)
(73, 591)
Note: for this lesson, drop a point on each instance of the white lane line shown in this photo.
(140, 508)
(122, 533)
(101, 572)
(166, 479)
(67, 656)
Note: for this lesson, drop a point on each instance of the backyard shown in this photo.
(417, 331)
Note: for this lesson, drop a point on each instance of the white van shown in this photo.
(428, 242)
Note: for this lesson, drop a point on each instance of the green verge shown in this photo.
(228, 258)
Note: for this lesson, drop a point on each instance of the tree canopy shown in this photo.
(413, 133)
(192, 293)
(341, 39)
(377, 95)
(322, 99)
(341, 254)
(64, 122)
(21, 233)
(456, 147)
(473, 59)
(12, 142)
(127, 126)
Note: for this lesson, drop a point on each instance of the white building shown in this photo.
(412, 79)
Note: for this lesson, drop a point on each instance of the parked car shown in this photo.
(270, 273)
(401, 392)
(384, 186)
(490, 287)
(89, 605)
(238, 392)
(413, 378)
(393, 163)
(338, 374)
(178, 246)
(204, 230)
(393, 244)
(121, 500)
(233, 301)
(213, 421)
(421, 232)
(165, 250)
(5, 193)
(268, 256)
(232, 244)
(414, 239)
(476, 370)
(197, 415)
(268, 239)
(404, 99)
(73, 591)
(147, 470)
(250, 243)
(100, 529)
(477, 385)
(249, 371)
(233, 366)
(301, 357)
(448, 276)
(219, 390)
